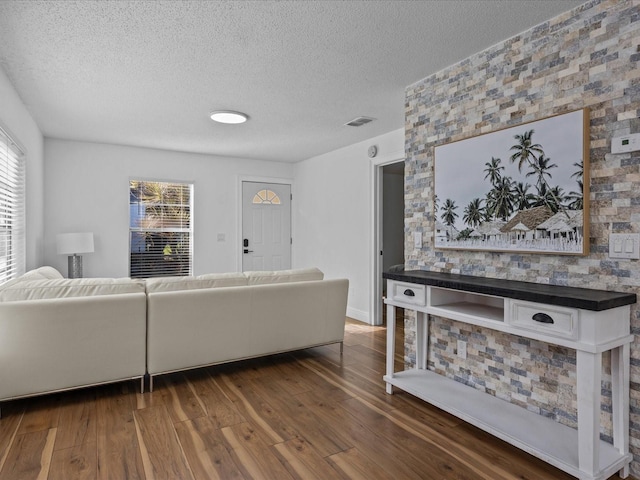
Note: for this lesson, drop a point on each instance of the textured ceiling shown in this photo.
(147, 73)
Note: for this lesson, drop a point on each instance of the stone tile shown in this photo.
(584, 58)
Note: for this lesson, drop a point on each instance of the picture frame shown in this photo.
(519, 189)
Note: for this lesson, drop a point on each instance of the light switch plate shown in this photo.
(417, 239)
(462, 349)
(624, 245)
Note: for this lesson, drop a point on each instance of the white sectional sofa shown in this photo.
(58, 334)
(193, 322)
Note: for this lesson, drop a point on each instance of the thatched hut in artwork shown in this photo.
(490, 230)
(445, 233)
(525, 224)
(567, 223)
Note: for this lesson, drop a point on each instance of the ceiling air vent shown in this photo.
(359, 121)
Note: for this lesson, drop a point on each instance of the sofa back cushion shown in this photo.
(68, 287)
(42, 273)
(210, 280)
(284, 276)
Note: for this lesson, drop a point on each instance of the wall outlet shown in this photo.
(462, 349)
(624, 245)
(221, 237)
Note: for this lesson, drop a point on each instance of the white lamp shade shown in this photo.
(72, 243)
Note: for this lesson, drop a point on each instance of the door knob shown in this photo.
(246, 250)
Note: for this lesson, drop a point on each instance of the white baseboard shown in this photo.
(356, 314)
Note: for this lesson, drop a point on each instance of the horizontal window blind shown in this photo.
(160, 229)
(12, 209)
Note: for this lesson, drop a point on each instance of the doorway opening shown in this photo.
(388, 229)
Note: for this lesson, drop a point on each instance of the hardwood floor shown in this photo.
(312, 414)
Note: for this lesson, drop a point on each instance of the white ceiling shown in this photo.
(147, 73)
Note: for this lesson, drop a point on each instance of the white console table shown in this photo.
(589, 321)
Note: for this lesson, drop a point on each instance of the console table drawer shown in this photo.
(409, 293)
(550, 320)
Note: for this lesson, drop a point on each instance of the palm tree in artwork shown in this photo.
(540, 168)
(575, 199)
(579, 173)
(493, 170)
(487, 214)
(501, 199)
(552, 199)
(523, 199)
(448, 212)
(528, 153)
(525, 151)
(473, 213)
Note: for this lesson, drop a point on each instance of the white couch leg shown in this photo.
(341, 348)
(150, 383)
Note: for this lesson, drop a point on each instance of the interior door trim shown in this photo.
(375, 282)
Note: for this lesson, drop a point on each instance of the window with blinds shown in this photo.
(160, 229)
(12, 211)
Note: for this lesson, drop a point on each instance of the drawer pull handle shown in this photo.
(542, 318)
(409, 293)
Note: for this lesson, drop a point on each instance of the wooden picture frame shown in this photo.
(518, 189)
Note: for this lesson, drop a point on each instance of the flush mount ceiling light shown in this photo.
(228, 116)
(359, 121)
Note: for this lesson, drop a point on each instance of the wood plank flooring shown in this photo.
(312, 414)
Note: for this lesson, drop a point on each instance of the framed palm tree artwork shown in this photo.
(519, 189)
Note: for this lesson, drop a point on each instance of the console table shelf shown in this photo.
(591, 321)
(553, 442)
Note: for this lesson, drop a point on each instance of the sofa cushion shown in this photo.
(284, 276)
(231, 279)
(42, 273)
(211, 280)
(65, 288)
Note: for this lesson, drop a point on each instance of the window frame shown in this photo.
(13, 205)
(163, 230)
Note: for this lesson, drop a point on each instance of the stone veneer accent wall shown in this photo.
(588, 57)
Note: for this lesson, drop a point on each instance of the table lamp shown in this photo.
(72, 244)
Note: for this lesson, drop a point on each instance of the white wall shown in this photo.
(15, 118)
(333, 220)
(87, 189)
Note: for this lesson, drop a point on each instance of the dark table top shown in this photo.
(583, 298)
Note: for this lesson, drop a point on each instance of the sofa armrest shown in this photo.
(57, 344)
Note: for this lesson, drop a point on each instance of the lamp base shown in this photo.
(74, 266)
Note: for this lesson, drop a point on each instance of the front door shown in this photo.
(266, 226)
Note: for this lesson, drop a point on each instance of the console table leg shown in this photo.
(620, 400)
(391, 343)
(589, 374)
(421, 340)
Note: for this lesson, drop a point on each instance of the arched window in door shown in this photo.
(266, 197)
